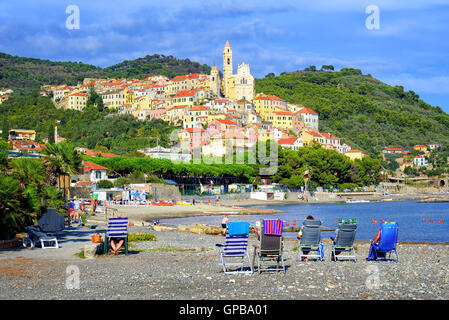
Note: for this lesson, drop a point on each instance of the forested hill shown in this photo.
(155, 65)
(27, 73)
(364, 112)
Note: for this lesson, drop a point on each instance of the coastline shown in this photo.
(249, 207)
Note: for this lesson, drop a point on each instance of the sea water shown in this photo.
(408, 214)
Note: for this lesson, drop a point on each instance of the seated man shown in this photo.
(116, 244)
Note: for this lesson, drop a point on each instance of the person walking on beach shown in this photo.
(224, 224)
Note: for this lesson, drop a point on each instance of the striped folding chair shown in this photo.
(271, 248)
(235, 248)
(117, 228)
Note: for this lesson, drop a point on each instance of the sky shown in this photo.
(408, 47)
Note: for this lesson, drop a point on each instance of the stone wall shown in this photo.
(227, 196)
(164, 191)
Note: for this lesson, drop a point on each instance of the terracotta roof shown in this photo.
(306, 110)
(198, 108)
(313, 133)
(192, 130)
(283, 113)
(288, 140)
(186, 93)
(83, 183)
(89, 166)
(354, 151)
(393, 149)
(179, 78)
(225, 121)
(269, 97)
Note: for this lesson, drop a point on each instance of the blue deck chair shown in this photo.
(387, 242)
(311, 240)
(271, 248)
(117, 228)
(236, 244)
(344, 240)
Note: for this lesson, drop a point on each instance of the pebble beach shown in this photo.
(184, 266)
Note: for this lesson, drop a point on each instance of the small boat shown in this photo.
(389, 199)
(357, 201)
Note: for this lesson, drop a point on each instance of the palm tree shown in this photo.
(29, 172)
(10, 195)
(61, 160)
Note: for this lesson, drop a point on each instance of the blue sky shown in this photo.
(411, 48)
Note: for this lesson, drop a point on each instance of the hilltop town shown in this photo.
(211, 108)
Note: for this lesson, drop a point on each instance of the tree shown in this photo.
(61, 159)
(51, 134)
(327, 68)
(5, 129)
(104, 184)
(270, 75)
(95, 100)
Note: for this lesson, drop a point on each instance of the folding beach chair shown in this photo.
(271, 246)
(36, 236)
(386, 244)
(344, 240)
(311, 240)
(117, 228)
(235, 247)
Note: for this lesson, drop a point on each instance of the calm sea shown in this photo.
(408, 214)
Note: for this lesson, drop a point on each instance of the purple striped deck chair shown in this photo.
(273, 227)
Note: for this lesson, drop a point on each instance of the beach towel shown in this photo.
(238, 228)
(273, 227)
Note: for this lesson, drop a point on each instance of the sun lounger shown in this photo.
(36, 236)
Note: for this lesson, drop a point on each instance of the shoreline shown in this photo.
(245, 207)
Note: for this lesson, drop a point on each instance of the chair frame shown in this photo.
(376, 250)
(106, 239)
(351, 250)
(224, 266)
(264, 255)
(311, 247)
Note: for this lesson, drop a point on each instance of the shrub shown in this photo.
(141, 237)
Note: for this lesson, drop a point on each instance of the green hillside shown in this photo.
(27, 73)
(364, 112)
(155, 65)
(90, 128)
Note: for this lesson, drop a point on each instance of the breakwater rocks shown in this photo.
(433, 200)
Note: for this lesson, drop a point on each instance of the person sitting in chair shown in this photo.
(300, 235)
(116, 244)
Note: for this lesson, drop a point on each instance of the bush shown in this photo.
(105, 184)
(141, 237)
